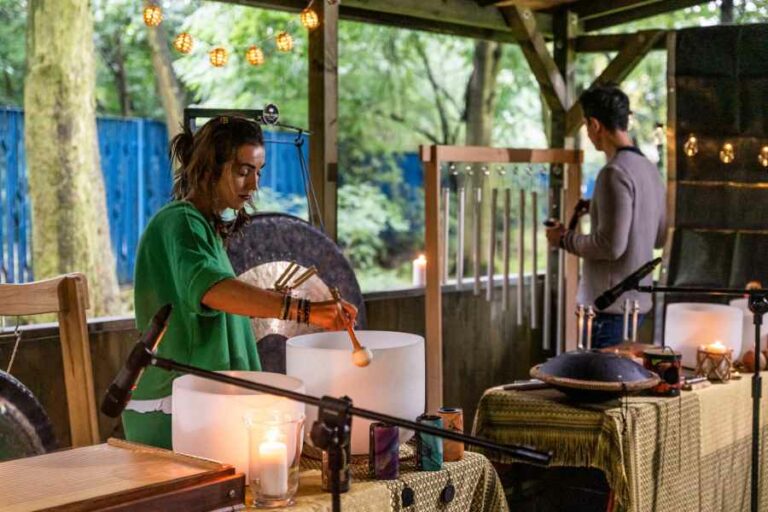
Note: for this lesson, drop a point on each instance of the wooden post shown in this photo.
(565, 27)
(433, 299)
(323, 113)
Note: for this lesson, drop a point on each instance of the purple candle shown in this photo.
(384, 451)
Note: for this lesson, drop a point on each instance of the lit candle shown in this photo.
(716, 348)
(419, 274)
(273, 467)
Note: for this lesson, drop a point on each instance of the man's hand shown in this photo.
(554, 234)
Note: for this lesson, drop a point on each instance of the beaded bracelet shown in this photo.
(286, 307)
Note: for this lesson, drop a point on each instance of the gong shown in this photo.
(25, 429)
(262, 252)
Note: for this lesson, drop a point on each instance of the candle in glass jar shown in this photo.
(273, 468)
(419, 274)
(716, 348)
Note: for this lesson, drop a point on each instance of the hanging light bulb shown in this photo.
(284, 41)
(183, 42)
(727, 154)
(309, 19)
(218, 56)
(254, 55)
(153, 15)
(691, 146)
(762, 157)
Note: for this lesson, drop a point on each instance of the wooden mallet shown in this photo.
(361, 356)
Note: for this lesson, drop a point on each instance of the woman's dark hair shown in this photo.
(202, 155)
(608, 104)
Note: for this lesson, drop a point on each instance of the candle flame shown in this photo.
(422, 259)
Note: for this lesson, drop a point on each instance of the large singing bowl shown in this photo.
(209, 417)
(593, 376)
(394, 382)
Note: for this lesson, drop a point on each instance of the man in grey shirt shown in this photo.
(627, 213)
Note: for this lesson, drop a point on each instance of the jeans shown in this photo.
(608, 329)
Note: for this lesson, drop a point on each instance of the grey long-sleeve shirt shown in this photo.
(628, 220)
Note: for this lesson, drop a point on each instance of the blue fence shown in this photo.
(137, 180)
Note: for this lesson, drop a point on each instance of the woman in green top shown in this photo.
(182, 260)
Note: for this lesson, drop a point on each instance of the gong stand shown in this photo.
(758, 305)
(564, 190)
(330, 431)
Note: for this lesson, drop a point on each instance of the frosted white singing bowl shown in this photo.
(689, 325)
(394, 382)
(209, 417)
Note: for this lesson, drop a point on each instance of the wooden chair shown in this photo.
(67, 296)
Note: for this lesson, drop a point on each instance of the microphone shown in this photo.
(119, 392)
(628, 283)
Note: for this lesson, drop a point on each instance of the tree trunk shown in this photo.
(480, 106)
(171, 93)
(70, 224)
(481, 93)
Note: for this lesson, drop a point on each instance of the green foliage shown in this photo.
(13, 22)
(366, 216)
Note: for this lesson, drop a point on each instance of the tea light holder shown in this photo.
(714, 362)
(274, 447)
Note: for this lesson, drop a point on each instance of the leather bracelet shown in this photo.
(307, 305)
(286, 307)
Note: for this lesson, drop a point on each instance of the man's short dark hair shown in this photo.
(608, 104)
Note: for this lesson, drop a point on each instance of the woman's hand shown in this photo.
(326, 314)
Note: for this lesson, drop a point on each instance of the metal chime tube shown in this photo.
(590, 318)
(547, 334)
(492, 244)
(505, 248)
(520, 256)
(625, 324)
(460, 240)
(560, 293)
(446, 230)
(477, 216)
(580, 327)
(635, 313)
(534, 258)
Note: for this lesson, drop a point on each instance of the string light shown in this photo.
(691, 146)
(309, 18)
(183, 43)
(727, 154)
(153, 15)
(254, 56)
(284, 41)
(218, 56)
(762, 157)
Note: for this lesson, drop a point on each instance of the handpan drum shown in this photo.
(594, 376)
(262, 252)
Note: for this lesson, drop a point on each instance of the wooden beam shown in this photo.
(611, 42)
(534, 48)
(587, 9)
(456, 17)
(617, 70)
(323, 113)
(637, 13)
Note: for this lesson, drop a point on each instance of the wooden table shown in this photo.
(690, 453)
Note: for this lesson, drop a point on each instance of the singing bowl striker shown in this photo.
(593, 376)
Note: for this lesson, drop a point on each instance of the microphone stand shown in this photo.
(758, 305)
(331, 433)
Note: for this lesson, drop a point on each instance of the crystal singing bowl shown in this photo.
(209, 417)
(394, 383)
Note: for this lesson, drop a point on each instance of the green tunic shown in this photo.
(180, 257)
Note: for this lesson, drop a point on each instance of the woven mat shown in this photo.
(478, 488)
(658, 454)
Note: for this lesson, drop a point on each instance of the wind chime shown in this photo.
(502, 186)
